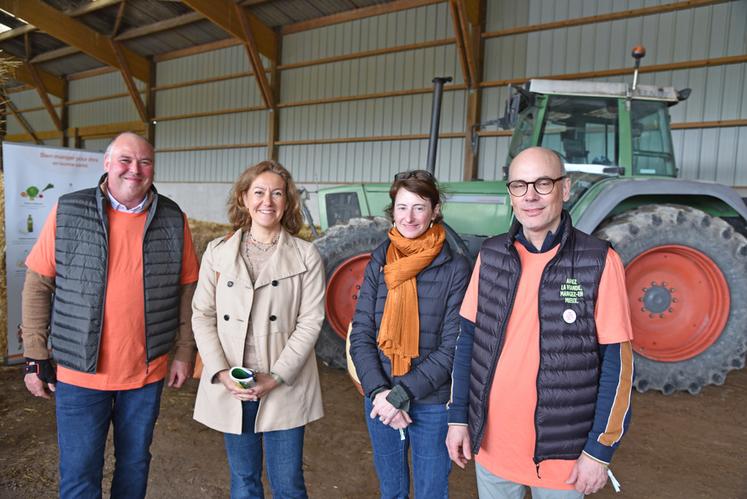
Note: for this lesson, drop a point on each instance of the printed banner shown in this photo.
(35, 177)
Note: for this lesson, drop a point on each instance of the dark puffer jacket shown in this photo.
(441, 287)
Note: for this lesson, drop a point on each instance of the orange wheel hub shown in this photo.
(342, 293)
(679, 302)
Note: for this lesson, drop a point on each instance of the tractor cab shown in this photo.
(603, 129)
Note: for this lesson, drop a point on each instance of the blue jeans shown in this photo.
(83, 419)
(430, 459)
(283, 452)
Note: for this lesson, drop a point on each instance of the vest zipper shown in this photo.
(102, 213)
(539, 369)
(494, 361)
(148, 219)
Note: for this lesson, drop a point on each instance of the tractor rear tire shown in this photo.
(693, 336)
(339, 244)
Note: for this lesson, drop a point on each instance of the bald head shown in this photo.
(540, 156)
(538, 209)
(127, 136)
(129, 164)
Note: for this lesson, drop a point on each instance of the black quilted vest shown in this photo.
(568, 375)
(81, 255)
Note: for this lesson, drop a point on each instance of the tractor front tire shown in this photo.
(686, 276)
(342, 247)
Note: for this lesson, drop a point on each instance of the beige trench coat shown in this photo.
(286, 307)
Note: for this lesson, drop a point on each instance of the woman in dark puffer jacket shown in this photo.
(403, 336)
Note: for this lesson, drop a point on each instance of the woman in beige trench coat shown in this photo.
(259, 303)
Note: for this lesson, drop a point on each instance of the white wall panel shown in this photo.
(39, 120)
(239, 128)
(370, 161)
(200, 66)
(206, 166)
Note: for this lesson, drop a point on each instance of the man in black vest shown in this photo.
(110, 281)
(543, 365)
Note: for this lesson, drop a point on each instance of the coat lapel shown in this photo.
(286, 261)
(230, 262)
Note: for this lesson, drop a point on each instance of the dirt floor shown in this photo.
(679, 446)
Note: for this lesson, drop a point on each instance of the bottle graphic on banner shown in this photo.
(30, 223)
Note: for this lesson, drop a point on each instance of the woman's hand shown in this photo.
(239, 393)
(265, 384)
(387, 413)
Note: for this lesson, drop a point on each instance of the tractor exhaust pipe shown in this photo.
(438, 92)
(639, 52)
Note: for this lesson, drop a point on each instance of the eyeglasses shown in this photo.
(543, 186)
(418, 174)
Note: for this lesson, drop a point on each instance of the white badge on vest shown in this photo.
(569, 316)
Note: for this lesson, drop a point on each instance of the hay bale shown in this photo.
(204, 232)
(3, 276)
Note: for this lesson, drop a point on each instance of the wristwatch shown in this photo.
(31, 367)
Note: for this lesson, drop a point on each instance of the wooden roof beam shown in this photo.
(24, 123)
(79, 11)
(254, 59)
(76, 34)
(223, 14)
(129, 81)
(42, 91)
(52, 84)
(466, 20)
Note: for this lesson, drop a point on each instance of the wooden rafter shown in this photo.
(466, 20)
(254, 58)
(76, 34)
(223, 14)
(24, 123)
(124, 68)
(77, 12)
(159, 26)
(118, 19)
(42, 91)
(53, 84)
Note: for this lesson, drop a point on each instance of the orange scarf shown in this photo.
(400, 325)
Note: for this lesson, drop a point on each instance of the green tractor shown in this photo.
(682, 242)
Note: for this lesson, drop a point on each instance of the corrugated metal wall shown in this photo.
(106, 110)
(38, 119)
(386, 116)
(218, 165)
(718, 92)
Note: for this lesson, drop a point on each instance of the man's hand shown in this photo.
(458, 445)
(588, 475)
(179, 373)
(37, 387)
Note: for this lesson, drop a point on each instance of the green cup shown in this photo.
(242, 376)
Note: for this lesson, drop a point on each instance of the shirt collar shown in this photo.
(120, 207)
(552, 239)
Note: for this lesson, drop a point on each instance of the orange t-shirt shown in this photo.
(122, 361)
(507, 447)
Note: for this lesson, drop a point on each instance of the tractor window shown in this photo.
(341, 207)
(652, 141)
(523, 132)
(583, 130)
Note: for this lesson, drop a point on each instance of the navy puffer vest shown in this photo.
(81, 255)
(568, 375)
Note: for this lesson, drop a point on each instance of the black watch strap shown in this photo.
(31, 367)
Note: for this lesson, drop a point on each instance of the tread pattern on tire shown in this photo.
(340, 242)
(649, 226)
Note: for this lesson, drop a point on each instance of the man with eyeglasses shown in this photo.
(543, 366)
(110, 280)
